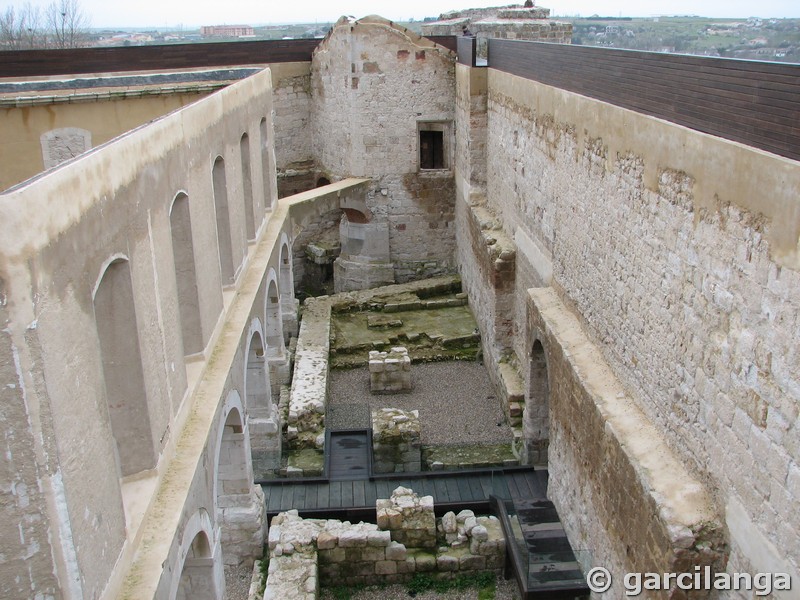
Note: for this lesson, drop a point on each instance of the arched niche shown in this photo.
(180, 221)
(266, 163)
(126, 398)
(223, 220)
(247, 187)
(536, 418)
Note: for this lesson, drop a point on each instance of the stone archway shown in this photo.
(262, 411)
(240, 504)
(277, 357)
(198, 572)
(197, 575)
(286, 291)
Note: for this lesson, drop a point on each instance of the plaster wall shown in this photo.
(114, 204)
(679, 251)
(23, 126)
(372, 84)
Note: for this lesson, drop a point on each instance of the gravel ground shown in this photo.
(455, 399)
(237, 582)
(505, 590)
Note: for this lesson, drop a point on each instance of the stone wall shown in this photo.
(678, 251)
(373, 85)
(622, 494)
(390, 372)
(294, 162)
(306, 422)
(32, 122)
(93, 533)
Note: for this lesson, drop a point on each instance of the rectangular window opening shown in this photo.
(431, 150)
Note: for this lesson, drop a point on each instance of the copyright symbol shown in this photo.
(599, 580)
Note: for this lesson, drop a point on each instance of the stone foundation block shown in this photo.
(385, 567)
(447, 563)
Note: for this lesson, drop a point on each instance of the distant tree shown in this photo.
(21, 29)
(67, 23)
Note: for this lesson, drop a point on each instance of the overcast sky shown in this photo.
(192, 13)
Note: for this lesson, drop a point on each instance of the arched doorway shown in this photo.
(240, 504)
(263, 415)
(286, 292)
(536, 418)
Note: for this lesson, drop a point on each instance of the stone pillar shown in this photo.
(289, 310)
(265, 441)
(409, 518)
(365, 260)
(244, 520)
(280, 372)
(395, 441)
(389, 372)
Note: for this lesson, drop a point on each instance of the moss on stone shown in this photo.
(310, 460)
(460, 457)
(432, 334)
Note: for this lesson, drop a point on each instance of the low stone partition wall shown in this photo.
(307, 553)
(307, 398)
(396, 445)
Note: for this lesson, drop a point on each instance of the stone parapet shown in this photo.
(601, 441)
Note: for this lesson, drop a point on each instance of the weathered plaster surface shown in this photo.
(113, 203)
(23, 127)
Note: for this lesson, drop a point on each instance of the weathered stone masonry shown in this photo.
(683, 274)
(373, 85)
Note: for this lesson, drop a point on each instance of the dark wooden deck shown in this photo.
(339, 497)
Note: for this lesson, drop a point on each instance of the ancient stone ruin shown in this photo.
(390, 372)
(305, 554)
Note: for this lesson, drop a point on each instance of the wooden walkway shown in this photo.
(356, 497)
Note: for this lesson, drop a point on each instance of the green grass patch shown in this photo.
(485, 583)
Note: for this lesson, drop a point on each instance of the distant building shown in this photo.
(226, 31)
